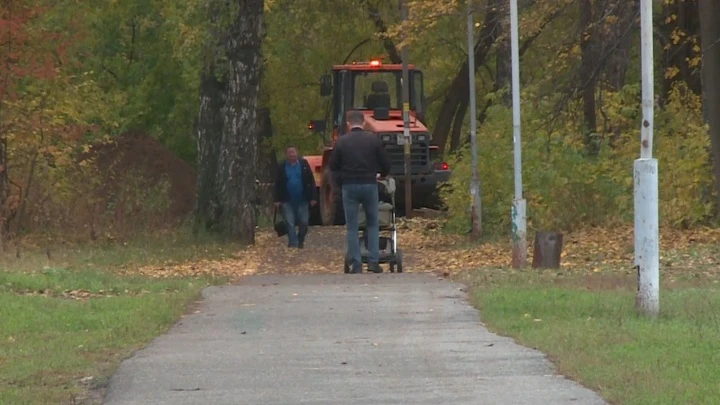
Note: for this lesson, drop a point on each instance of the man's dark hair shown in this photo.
(355, 117)
(290, 146)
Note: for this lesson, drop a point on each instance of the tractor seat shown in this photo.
(379, 98)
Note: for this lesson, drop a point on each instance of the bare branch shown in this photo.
(388, 43)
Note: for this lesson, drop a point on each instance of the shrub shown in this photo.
(565, 187)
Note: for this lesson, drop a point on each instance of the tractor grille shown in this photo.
(419, 158)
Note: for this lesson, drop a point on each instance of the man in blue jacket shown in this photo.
(295, 193)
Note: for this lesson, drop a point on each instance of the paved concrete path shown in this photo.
(338, 339)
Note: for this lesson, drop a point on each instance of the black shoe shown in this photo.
(356, 270)
(375, 268)
(301, 245)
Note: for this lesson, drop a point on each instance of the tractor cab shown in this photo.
(376, 89)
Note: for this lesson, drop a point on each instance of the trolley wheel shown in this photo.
(346, 265)
(399, 261)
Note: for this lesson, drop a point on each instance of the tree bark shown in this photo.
(5, 209)
(209, 136)
(625, 12)
(589, 39)
(457, 94)
(503, 59)
(547, 250)
(710, 36)
(228, 205)
(267, 159)
(456, 137)
(238, 149)
(684, 17)
(381, 28)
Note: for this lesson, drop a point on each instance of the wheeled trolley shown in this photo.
(389, 252)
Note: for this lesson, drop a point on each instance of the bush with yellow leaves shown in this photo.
(566, 188)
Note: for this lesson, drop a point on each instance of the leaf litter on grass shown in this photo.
(427, 248)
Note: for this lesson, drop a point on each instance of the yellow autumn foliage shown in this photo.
(564, 188)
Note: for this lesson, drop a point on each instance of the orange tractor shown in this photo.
(376, 89)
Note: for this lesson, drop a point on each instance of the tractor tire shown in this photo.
(315, 217)
(331, 208)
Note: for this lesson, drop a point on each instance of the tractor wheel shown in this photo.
(331, 209)
(315, 217)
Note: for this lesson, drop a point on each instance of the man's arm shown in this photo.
(383, 159)
(335, 159)
(311, 182)
(277, 187)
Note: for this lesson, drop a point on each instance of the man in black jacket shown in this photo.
(357, 159)
(294, 190)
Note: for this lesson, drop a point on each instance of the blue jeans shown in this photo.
(296, 215)
(353, 195)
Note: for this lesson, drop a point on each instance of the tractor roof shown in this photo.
(373, 65)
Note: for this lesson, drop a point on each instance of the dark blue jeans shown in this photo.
(353, 195)
(296, 215)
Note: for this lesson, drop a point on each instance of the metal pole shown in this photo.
(406, 118)
(519, 222)
(645, 174)
(475, 209)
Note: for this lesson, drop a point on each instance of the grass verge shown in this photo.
(67, 320)
(591, 332)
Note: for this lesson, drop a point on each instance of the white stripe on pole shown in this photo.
(519, 232)
(645, 173)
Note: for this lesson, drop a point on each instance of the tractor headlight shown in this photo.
(386, 137)
(422, 138)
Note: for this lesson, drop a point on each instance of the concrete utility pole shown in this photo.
(646, 182)
(407, 140)
(519, 221)
(475, 209)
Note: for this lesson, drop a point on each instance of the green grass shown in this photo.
(50, 342)
(594, 336)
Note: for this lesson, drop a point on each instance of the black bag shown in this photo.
(280, 226)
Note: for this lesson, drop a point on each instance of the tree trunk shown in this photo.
(620, 42)
(238, 148)
(503, 62)
(381, 28)
(683, 17)
(267, 159)
(455, 138)
(209, 136)
(457, 94)
(5, 210)
(547, 250)
(588, 80)
(710, 35)
(228, 205)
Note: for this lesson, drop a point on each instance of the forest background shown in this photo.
(89, 92)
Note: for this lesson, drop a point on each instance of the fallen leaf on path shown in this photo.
(427, 248)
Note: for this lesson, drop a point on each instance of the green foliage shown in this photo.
(147, 51)
(566, 189)
(306, 38)
(136, 64)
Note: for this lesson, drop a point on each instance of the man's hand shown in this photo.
(313, 203)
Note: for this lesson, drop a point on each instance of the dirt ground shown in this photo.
(135, 153)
